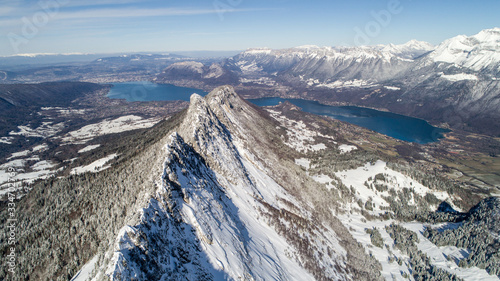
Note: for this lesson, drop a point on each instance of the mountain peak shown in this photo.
(408, 50)
(222, 94)
(196, 100)
(494, 30)
(478, 52)
(218, 98)
(258, 51)
(205, 127)
(224, 101)
(491, 36)
(418, 44)
(308, 47)
(219, 105)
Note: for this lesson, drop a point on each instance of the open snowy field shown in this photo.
(111, 126)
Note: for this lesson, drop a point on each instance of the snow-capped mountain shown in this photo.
(455, 84)
(211, 216)
(229, 206)
(409, 50)
(323, 63)
(479, 53)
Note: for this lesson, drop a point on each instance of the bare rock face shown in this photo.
(205, 128)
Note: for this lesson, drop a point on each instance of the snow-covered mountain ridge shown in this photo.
(226, 190)
(209, 215)
(455, 84)
(409, 50)
(480, 52)
(229, 206)
(327, 63)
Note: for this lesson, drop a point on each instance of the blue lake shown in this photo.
(394, 125)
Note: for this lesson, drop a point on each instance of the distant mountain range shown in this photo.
(455, 84)
(24, 61)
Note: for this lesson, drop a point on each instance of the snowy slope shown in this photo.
(439, 256)
(480, 52)
(118, 125)
(227, 205)
(395, 264)
(95, 166)
(328, 64)
(209, 218)
(409, 50)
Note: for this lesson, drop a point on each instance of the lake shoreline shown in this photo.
(394, 125)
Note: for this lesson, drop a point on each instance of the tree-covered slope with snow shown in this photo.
(229, 191)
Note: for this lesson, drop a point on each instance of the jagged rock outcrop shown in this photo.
(217, 212)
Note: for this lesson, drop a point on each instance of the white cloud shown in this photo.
(84, 3)
(14, 19)
(134, 12)
(6, 10)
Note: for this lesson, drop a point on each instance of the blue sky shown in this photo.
(110, 26)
